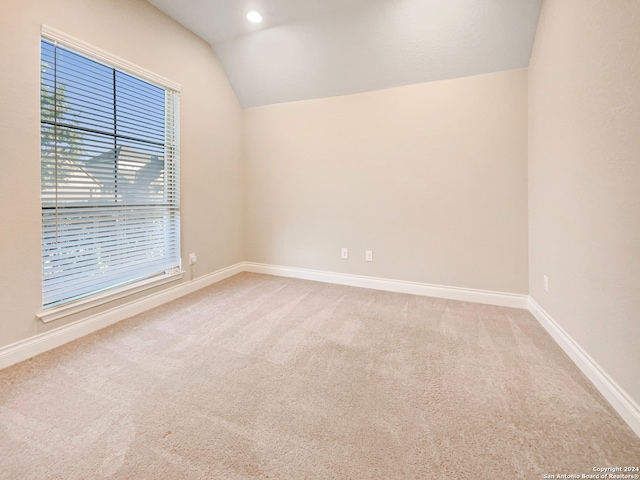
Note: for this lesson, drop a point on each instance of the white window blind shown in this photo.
(110, 176)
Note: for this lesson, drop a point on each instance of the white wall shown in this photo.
(211, 134)
(431, 177)
(584, 178)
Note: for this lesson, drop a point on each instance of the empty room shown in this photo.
(319, 239)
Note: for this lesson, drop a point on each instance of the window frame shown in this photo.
(130, 287)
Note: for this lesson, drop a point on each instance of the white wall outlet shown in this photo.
(192, 259)
(368, 255)
(344, 254)
(545, 283)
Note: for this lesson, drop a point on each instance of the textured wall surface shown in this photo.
(211, 135)
(431, 177)
(584, 178)
(316, 49)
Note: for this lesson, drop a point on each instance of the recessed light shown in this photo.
(254, 17)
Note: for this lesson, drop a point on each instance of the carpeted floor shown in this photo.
(268, 377)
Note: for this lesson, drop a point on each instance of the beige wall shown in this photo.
(211, 131)
(584, 171)
(431, 177)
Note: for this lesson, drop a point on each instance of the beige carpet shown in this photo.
(267, 377)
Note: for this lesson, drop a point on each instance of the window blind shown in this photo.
(110, 176)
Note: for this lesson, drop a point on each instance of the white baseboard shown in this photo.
(615, 395)
(30, 347)
(424, 289)
(25, 349)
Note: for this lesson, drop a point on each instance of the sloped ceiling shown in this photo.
(308, 49)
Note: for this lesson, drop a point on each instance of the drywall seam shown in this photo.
(612, 392)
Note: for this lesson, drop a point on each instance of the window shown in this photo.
(110, 186)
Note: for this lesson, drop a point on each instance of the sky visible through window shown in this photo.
(110, 130)
(110, 187)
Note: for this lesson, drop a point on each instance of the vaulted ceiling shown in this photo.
(308, 49)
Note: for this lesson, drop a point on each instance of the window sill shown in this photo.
(56, 313)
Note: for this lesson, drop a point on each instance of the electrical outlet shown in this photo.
(545, 283)
(344, 254)
(192, 259)
(368, 255)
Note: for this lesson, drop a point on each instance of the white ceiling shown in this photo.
(308, 49)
